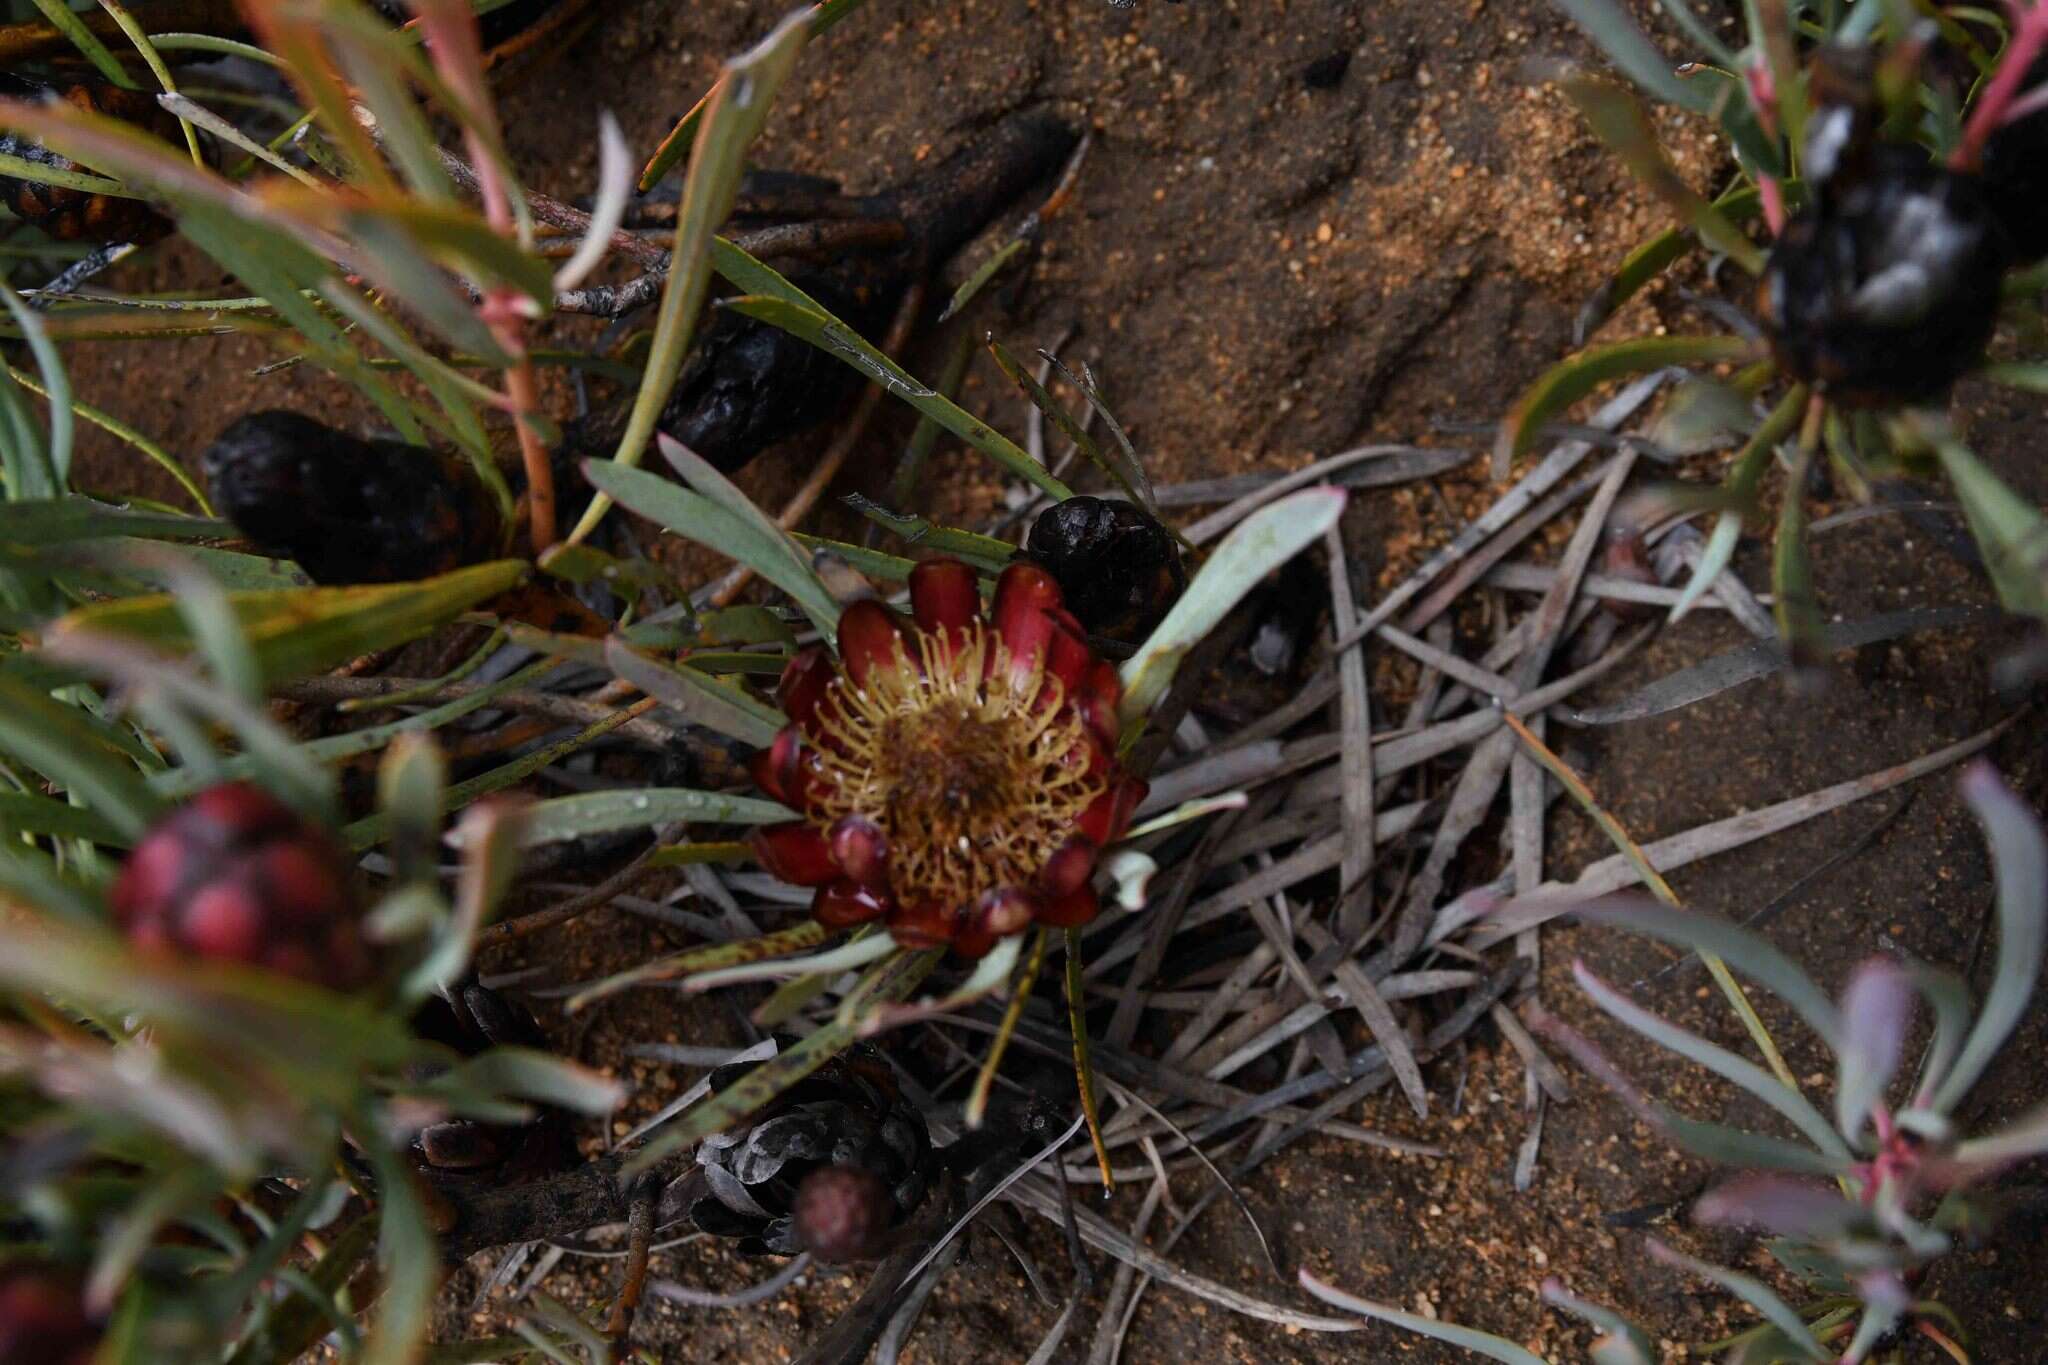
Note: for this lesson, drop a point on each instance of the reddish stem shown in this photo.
(2030, 34)
(1773, 196)
(457, 53)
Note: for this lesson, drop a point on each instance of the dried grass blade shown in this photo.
(1084, 1066)
(1738, 999)
(808, 934)
(976, 1107)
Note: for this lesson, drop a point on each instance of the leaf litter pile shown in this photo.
(1307, 872)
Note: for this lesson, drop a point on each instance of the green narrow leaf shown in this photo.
(704, 478)
(537, 1076)
(842, 343)
(982, 274)
(804, 934)
(1748, 952)
(684, 135)
(27, 813)
(1794, 1106)
(411, 782)
(696, 517)
(409, 1260)
(36, 172)
(298, 631)
(873, 563)
(1740, 488)
(2008, 529)
(581, 565)
(54, 462)
(734, 113)
(766, 295)
(1655, 256)
(587, 813)
(1618, 121)
(66, 21)
(1258, 545)
(1127, 475)
(2019, 854)
(52, 740)
(1574, 378)
(1616, 34)
(372, 830)
(81, 518)
(1466, 1338)
(1797, 608)
(759, 1087)
(1752, 1292)
(217, 634)
(750, 1093)
(159, 566)
(1624, 1343)
(30, 877)
(983, 552)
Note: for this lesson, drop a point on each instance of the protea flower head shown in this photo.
(956, 773)
(234, 874)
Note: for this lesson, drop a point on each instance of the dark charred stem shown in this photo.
(815, 239)
(593, 1195)
(558, 214)
(505, 931)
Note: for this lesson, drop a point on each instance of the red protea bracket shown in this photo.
(956, 772)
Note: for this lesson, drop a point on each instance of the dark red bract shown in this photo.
(956, 774)
(43, 1319)
(236, 875)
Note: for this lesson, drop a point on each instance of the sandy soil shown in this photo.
(1266, 265)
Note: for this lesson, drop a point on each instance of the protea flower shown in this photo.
(956, 774)
(235, 874)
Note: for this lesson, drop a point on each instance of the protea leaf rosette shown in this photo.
(956, 773)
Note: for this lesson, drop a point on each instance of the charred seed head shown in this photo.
(2016, 176)
(1887, 290)
(1119, 570)
(349, 510)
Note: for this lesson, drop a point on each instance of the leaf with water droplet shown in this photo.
(606, 812)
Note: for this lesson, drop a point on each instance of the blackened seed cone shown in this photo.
(2016, 175)
(349, 510)
(73, 215)
(469, 1020)
(848, 1113)
(1118, 568)
(749, 385)
(1887, 292)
